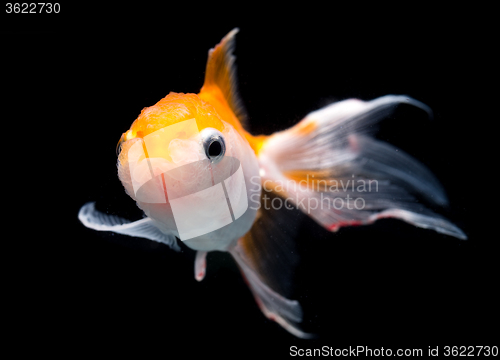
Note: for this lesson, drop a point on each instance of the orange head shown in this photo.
(190, 171)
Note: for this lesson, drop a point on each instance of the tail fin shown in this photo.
(328, 159)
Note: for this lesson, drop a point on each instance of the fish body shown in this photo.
(200, 177)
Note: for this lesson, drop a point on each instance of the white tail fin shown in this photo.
(330, 168)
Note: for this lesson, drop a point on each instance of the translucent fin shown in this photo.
(430, 221)
(220, 87)
(145, 228)
(328, 159)
(267, 258)
(200, 265)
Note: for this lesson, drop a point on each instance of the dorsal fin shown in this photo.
(220, 87)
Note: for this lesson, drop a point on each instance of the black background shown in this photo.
(75, 81)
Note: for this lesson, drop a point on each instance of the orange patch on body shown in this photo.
(213, 95)
(256, 142)
(317, 180)
(304, 127)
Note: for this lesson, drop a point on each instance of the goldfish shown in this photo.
(204, 181)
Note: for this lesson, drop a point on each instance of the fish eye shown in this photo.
(214, 144)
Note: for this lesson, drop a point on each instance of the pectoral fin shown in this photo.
(200, 265)
(144, 228)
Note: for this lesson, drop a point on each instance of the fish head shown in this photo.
(191, 172)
